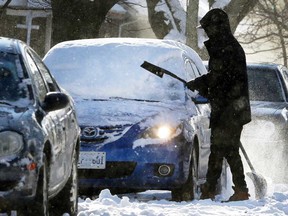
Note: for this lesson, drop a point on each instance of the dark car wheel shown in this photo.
(40, 204)
(188, 191)
(67, 200)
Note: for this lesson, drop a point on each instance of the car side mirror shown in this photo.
(55, 101)
(200, 100)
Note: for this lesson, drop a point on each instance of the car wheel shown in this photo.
(67, 200)
(40, 206)
(188, 191)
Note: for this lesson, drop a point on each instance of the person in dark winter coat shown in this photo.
(226, 88)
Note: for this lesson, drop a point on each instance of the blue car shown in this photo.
(138, 131)
(39, 136)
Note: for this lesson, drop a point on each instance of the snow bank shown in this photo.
(156, 203)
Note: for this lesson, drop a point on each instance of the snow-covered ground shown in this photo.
(157, 203)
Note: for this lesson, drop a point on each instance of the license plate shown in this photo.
(92, 160)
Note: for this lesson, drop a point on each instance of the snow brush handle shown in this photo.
(158, 71)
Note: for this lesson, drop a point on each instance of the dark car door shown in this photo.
(53, 122)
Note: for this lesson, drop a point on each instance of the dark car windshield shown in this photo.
(264, 85)
(11, 87)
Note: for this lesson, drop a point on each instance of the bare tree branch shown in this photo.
(267, 24)
(237, 10)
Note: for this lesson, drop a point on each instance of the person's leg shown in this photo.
(236, 166)
(214, 166)
(208, 189)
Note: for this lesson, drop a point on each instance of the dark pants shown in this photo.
(225, 144)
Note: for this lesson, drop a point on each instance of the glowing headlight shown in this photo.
(161, 132)
(10, 143)
(164, 132)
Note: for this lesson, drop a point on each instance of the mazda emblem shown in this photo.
(89, 132)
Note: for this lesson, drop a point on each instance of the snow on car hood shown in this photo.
(120, 111)
(10, 115)
(266, 108)
(268, 118)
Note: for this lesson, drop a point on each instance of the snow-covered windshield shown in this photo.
(103, 71)
(12, 89)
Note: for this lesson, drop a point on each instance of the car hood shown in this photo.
(260, 108)
(122, 112)
(267, 119)
(10, 115)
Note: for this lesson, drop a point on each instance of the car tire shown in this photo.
(40, 206)
(188, 191)
(67, 200)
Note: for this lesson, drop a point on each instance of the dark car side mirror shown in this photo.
(200, 100)
(55, 101)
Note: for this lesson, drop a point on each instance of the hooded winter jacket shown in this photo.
(226, 83)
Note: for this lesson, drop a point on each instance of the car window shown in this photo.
(264, 85)
(39, 83)
(285, 75)
(43, 69)
(191, 70)
(11, 88)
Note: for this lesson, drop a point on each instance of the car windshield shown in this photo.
(106, 73)
(264, 85)
(12, 89)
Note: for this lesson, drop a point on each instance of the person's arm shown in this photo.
(200, 84)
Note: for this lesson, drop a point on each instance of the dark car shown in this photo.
(266, 137)
(139, 131)
(39, 136)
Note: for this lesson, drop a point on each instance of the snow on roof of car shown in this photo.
(161, 47)
(7, 45)
(115, 64)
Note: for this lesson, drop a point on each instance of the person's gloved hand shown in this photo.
(191, 85)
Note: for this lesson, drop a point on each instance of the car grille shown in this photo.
(102, 133)
(113, 170)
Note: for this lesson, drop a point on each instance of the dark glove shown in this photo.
(191, 85)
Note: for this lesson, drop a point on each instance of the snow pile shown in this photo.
(156, 203)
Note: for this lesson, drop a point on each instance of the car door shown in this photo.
(66, 119)
(53, 122)
(201, 120)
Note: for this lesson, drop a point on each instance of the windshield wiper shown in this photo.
(95, 99)
(6, 103)
(134, 99)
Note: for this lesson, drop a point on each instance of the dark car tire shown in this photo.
(40, 206)
(67, 200)
(188, 191)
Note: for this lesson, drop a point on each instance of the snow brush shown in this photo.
(158, 71)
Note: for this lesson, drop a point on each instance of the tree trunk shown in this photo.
(76, 19)
(157, 20)
(236, 10)
(191, 31)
